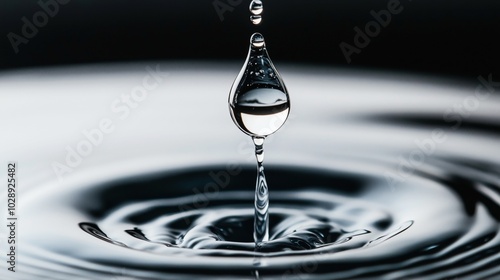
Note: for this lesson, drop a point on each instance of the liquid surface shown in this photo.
(360, 188)
(324, 223)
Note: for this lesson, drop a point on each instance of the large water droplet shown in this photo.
(256, 7)
(259, 101)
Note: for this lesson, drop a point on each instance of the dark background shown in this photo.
(447, 38)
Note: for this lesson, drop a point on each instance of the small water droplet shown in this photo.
(256, 19)
(256, 7)
(257, 40)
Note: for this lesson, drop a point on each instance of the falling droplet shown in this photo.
(259, 101)
(256, 19)
(256, 7)
(259, 106)
(257, 41)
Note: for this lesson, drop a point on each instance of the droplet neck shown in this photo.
(261, 219)
(259, 149)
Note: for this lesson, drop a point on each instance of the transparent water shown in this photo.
(256, 19)
(261, 201)
(259, 119)
(259, 105)
(256, 8)
(350, 197)
(325, 223)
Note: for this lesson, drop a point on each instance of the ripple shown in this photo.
(426, 227)
(151, 208)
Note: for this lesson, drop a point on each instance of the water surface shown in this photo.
(354, 194)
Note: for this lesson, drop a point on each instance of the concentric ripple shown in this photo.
(324, 223)
(360, 186)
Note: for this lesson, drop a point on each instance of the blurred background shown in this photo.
(447, 38)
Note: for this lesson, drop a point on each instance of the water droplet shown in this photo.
(259, 101)
(259, 106)
(257, 40)
(261, 219)
(256, 19)
(256, 7)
